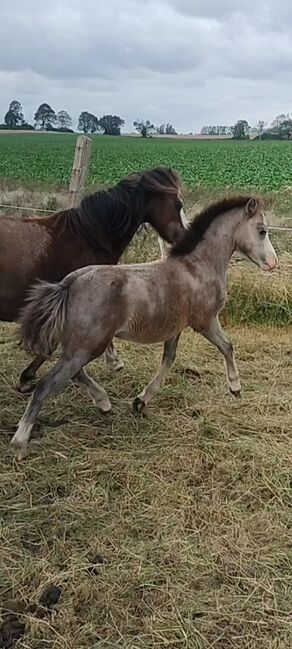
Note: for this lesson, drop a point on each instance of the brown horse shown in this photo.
(95, 233)
(143, 303)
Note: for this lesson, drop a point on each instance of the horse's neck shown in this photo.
(218, 245)
(120, 242)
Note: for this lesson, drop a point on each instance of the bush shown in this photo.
(23, 127)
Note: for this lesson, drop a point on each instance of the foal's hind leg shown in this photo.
(216, 335)
(28, 376)
(97, 393)
(113, 362)
(168, 358)
(57, 377)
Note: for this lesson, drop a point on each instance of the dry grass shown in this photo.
(34, 196)
(171, 530)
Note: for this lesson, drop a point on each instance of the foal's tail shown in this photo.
(42, 319)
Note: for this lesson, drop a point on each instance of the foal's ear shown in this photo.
(251, 207)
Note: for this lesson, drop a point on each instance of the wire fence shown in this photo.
(28, 208)
(280, 235)
(281, 238)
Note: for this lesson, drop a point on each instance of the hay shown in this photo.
(256, 297)
(168, 530)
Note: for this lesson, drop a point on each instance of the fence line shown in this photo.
(31, 209)
(77, 180)
(278, 228)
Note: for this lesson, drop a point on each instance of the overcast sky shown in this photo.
(190, 62)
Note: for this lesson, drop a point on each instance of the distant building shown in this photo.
(216, 130)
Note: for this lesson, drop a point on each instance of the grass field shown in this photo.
(48, 158)
(171, 530)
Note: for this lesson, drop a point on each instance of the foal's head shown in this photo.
(161, 201)
(252, 238)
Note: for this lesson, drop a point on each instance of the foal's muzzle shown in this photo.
(270, 263)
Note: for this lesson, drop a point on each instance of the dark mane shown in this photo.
(110, 214)
(202, 221)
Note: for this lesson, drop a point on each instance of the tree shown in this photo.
(282, 126)
(278, 121)
(45, 117)
(111, 124)
(261, 125)
(14, 116)
(64, 120)
(144, 128)
(240, 130)
(285, 129)
(160, 130)
(170, 130)
(88, 123)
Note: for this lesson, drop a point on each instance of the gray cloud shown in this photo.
(186, 61)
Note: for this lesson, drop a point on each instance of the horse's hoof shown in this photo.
(236, 393)
(25, 388)
(105, 407)
(193, 373)
(138, 404)
(118, 366)
(20, 450)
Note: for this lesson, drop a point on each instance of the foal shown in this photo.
(144, 303)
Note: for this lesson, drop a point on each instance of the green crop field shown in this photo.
(48, 158)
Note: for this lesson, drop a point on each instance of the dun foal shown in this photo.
(144, 303)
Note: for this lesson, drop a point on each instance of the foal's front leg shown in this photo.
(216, 336)
(113, 362)
(168, 358)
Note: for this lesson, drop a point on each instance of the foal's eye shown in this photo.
(263, 232)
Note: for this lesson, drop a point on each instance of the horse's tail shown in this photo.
(42, 319)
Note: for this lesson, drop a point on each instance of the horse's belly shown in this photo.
(12, 291)
(153, 330)
(9, 310)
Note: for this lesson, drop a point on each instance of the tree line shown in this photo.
(46, 119)
(111, 125)
(280, 129)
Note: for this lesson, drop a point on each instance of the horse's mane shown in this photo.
(112, 213)
(202, 221)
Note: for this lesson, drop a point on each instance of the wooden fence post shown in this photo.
(79, 170)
